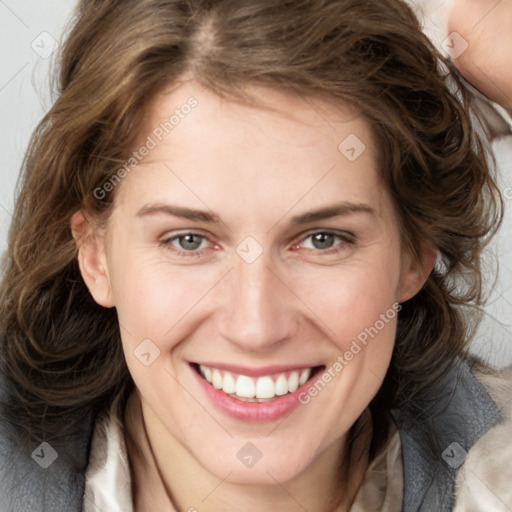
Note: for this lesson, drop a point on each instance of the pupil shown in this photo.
(187, 242)
(323, 240)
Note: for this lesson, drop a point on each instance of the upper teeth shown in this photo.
(267, 386)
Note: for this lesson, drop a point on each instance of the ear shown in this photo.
(416, 271)
(92, 258)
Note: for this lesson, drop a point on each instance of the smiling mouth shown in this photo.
(265, 388)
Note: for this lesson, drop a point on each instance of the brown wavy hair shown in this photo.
(60, 351)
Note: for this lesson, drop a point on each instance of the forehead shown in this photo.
(212, 150)
(290, 119)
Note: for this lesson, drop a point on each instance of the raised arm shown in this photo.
(486, 26)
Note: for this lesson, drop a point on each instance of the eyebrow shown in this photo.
(335, 210)
(179, 211)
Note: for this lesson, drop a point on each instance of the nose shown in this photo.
(256, 307)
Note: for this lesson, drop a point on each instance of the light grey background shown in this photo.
(26, 31)
(30, 29)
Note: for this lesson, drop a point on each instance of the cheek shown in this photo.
(153, 297)
(156, 304)
(350, 299)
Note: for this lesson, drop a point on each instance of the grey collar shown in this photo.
(460, 412)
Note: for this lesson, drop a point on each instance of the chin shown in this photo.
(259, 461)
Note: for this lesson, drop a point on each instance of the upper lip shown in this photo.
(255, 372)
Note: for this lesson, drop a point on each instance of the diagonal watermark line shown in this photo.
(199, 300)
(334, 333)
(287, 492)
(216, 487)
(14, 76)
(491, 491)
(487, 13)
(196, 196)
(318, 113)
(5, 210)
(197, 402)
(3, 3)
(494, 84)
(279, 424)
(434, 15)
(375, 375)
(431, 20)
(503, 408)
(300, 199)
(503, 297)
(93, 503)
(498, 322)
(125, 329)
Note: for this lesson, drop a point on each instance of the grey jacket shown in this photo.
(50, 478)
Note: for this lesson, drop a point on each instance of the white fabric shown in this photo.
(107, 480)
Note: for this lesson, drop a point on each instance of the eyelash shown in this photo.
(345, 239)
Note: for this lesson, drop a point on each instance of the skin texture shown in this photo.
(295, 304)
(485, 25)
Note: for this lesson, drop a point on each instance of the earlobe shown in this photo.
(416, 272)
(91, 258)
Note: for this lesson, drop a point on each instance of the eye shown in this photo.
(186, 244)
(326, 242)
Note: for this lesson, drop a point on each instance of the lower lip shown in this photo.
(253, 412)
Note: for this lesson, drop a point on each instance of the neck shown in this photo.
(165, 476)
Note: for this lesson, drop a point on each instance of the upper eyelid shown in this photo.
(339, 233)
(165, 237)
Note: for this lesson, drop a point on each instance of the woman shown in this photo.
(249, 280)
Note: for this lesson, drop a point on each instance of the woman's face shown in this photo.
(250, 251)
